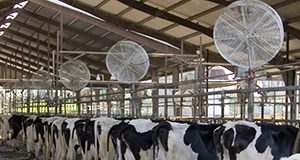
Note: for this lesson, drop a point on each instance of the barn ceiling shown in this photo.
(27, 41)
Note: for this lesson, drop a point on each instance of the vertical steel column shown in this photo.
(287, 78)
(78, 102)
(91, 99)
(206, 84)
(122, 101)
(109, 99)
(10, 68)
(155, 92)
(28, 101)
(133, 96)
(5, 73)
(50, 93)
(29, 65)
(16, 63)
(60, 61)
(274, 113)
(22, 51)
(38, 62)
(175, 80)
(262, 105)
(56, 59)
(250, 91)
(223, 104)
(166, 81)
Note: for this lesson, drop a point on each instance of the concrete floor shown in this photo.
(11, 153)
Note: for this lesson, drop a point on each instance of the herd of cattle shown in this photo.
(105, 138)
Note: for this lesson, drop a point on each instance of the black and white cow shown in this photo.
(134, 139)
(4, 126)
(242, 140)
(16, 125)
(57, 143)
(104, 148)
(71, 142)
(175, 140)
(29, 132)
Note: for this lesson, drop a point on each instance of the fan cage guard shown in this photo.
(74, 75)
(41, 80)
(127, 61)
(248, 33)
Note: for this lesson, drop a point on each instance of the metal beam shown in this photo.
(43, 43)
(52, 35)
(188, 47)
(5, 39)
(166, 10)
(206, 12)
(222, 2)
(24, 54)
(109, 27)
(67, 27)
(13, 68)
(284, 3)
(15, 57)
(16, 64)
(165, 15)
(293, 31)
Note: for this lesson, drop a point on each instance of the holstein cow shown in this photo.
(57, 149)
(102, 127)
(72, 143)
(175, 140)
(133, 139)
(48, 143)
(4, 126)
(29, 133)
(242, 140)
(16, 125)
(79, 133)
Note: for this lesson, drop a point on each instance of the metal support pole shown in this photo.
(274, 105)
(28, 101)
(56, 67)
(166, 81)
(78, 102)
(122, 102)
(262, 105)
(222, 104)
(287, 78)
(250, 92)
(175, 79)
(155, 92)
(206, 84)
(109, 97)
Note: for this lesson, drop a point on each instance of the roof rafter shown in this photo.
(109, 27)
(188, 47)
(14, 68)
(93, 71)
(165, 15)
(66, 27)
(166, 10)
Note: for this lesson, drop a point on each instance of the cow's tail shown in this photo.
(156, 134)
(155, 140)
(296, 148)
